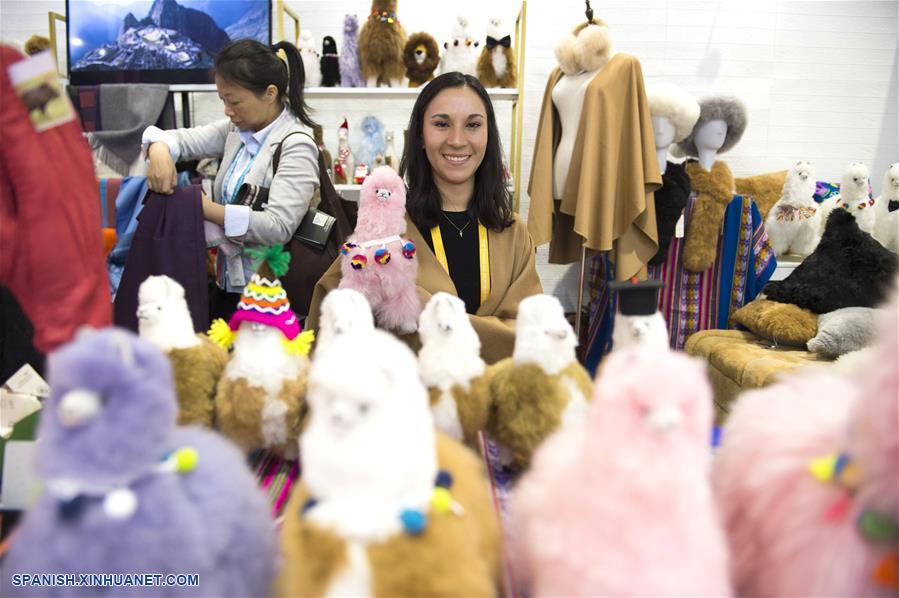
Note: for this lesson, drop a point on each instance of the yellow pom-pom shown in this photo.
(301, 343)
(822, 468)
(442, 500)
(186, 459)
(221, 334)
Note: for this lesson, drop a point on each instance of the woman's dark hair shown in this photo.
(254, 66)
(491, 202)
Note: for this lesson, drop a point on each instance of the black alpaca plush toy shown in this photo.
(330, 63)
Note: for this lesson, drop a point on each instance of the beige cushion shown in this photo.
(781, 323)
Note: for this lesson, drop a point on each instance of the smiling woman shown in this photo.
(460, 208)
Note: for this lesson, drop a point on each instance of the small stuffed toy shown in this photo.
(646, 443)
(330, 63)
(386, 506)
(376, 260)
(853, 197)
(343, 311)
(808, 467)
(125, 491)
(260, 399)
(381, 43)
(497, 64)
(350, 75)
(460, 53)
(421, 57)
(360, 173)
(311, 59)
(345, 166)
(886, 210)
(794, 221)
(390, 157)
(452, 369)
(638, 322)
(163, 320)
(371, 145)
(541, 387)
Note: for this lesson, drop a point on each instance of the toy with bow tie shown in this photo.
(497, 65)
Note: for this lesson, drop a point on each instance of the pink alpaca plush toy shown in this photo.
(621, 505)
(376, 260)
(806, 478)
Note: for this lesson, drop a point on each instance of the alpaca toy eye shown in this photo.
(456, 43)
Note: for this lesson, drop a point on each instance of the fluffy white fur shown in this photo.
(311, 59)
(343, 311)
(794, 221)
(853, 197)
(543, 335)
(674, 103)
(460, 53)
(644, 331)
(163, 317)
(497, 56)
(586, 49)
(886, 223)
(369, 449)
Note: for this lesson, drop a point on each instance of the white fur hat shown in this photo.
(674, 103)
(720, 107)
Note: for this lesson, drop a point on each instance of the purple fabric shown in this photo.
(169, 240)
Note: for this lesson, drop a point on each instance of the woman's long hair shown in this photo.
(491, 202)
(254, 66)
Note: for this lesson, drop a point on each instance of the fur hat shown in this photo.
(674, 103)
(587, 48)
(727, 108)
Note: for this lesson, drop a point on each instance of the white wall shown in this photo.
(819, 78)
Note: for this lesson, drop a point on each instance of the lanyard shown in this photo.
(483, 256)
(230, 173)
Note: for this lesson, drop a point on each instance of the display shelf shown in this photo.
(392, 93)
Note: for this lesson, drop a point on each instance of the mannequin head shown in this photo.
(663, 130)
(722, 121)
(709, 138)
(674, 114)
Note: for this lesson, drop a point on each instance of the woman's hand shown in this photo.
(161, 174)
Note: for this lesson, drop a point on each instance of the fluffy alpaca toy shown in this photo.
(648, 443)
(384, 507)
(163, 319)
(794, 221)
(421, 57)
(343, 311)
(376, 260)
(311, 59)
(345, 166)
(451, 367)
(497, 64)
(390, 157)
(886, 210)
(127, 492)
(853, 198)
(330, 63)
(638, 321)
(806, 478)
(381, 44)
(371, 146)
(260, 399)
(350, 75)
(542, 386)
(460, 53)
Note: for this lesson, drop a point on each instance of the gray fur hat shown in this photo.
(727, 108)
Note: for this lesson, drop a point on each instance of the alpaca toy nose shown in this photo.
(445, 327)
(77, 407)
(803, 176)
(664, 419)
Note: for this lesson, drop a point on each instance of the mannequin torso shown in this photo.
(568, 98)
(663, 131)
(709, 138)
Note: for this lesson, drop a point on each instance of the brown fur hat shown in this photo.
(381, 42)
(419, 74)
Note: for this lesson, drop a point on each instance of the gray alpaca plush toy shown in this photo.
(126, 491)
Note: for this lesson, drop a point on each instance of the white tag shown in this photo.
(21, 487)
(320, 219)
(679, 227)
(14, 407)
(28, 382)
(36, 82)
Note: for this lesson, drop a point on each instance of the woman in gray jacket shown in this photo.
(263, 100)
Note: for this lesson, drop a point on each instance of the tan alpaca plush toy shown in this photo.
(381, 43)
(497, 64)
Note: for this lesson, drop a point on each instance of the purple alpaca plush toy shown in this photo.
(126, 491)
(350, 74)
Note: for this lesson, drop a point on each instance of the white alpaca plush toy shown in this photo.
(451, 367)
(794, 221)
(343, 311)
(639, 321)
(886, 222)
(163, 319)
(542, 386)
(460, 53)
(311, 59)
(853, 197)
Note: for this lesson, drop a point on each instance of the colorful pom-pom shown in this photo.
(345, 248)
(358, 262)
(301, 344)
(186, 459)
(878, 528)
(120, 504)
(221, 334)
(414, 521)
(871, 202)
(382, 256)
(444, 479)
(442, 500)
(275, 256)
(409, 250)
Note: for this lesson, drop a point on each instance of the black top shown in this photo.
(462, 255)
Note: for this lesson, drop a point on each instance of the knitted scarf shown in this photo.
(714, 191)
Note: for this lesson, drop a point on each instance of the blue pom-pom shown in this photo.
(444, 479)
(414, 521)
(71, 509)
(311, 502)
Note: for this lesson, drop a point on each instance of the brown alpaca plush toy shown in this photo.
(497, 64)
(381, 44)
(421, 57)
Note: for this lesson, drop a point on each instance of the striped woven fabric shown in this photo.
(276, 476)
